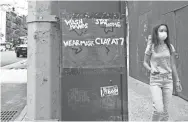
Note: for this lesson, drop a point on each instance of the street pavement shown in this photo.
(9, 57)
(13, 97)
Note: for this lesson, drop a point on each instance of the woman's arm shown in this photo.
(146, 62)
(174, 69)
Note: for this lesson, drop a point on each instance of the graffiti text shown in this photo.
(107, 23)
(109, 41)
(78, 96)
(78, 43)
(76, 24)
(97, 41)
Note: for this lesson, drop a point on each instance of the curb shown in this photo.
(17, 76)
(22, 115)
(14, 64)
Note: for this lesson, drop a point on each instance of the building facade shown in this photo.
(13, 26)
(2, 26)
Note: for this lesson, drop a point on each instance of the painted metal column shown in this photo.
(44, 38)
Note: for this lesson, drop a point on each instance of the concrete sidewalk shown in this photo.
(13, 83)
(13, 75)
(140, 103)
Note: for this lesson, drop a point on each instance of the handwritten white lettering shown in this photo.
(109, 41)
(78, 43)
(122, 41)
(107, 24)
(97, 41)
(76, 24)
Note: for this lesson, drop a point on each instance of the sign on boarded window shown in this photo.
(92, 42)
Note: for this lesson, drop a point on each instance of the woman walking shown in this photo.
(159, 60)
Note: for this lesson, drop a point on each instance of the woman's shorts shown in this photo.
(161, 78)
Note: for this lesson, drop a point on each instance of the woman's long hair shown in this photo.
(155, 39)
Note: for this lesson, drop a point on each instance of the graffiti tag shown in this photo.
(76, 24)
(106, 23)
(76, 96)
(109, 41)
(78, 43)
(108, 102)
(97, 41)
(77, 49)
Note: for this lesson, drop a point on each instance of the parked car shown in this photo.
(21, 50)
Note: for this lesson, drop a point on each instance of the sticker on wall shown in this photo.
(109, 91)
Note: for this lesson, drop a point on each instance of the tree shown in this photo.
(1, 35)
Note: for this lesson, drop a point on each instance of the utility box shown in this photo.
(94, 66)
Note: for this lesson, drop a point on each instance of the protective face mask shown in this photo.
(162, 35)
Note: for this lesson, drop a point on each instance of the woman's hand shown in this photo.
(154, 72)
(178, 86)
(175, 73)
